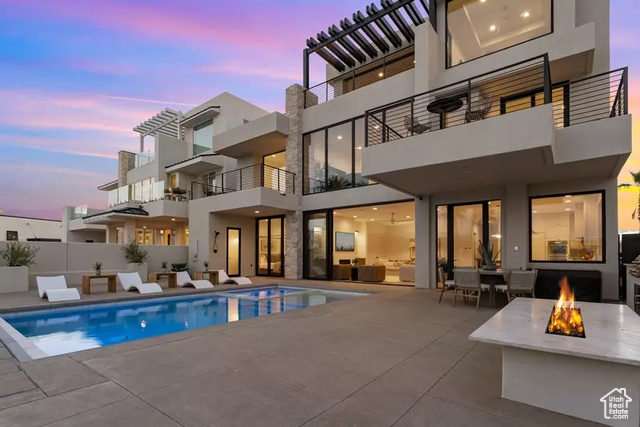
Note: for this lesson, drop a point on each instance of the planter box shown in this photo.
(141, 269)
(14, 279)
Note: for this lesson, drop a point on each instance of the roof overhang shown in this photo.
(115, 215)
(200, 116)
(259, 137)
(109, 186)
(382, 30)
(197, 165)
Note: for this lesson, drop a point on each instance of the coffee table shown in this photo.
(86, 282)
(171, 275)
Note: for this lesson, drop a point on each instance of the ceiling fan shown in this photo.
(394, 220)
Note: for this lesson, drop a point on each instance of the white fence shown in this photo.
(75, 259)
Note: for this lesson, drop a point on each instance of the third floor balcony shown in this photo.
(513, 123)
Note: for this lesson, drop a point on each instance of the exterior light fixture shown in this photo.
(492, 28)
(525, 14)
(173, 219)
(358, 148)
(257, 211)
(339, 136)
(380, 74)
(375, 209)
(408, 216)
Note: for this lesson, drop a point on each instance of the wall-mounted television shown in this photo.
(345, 242)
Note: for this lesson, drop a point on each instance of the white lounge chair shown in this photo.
(55, 289)
(184, 279)
(130, 281)
(223, 278)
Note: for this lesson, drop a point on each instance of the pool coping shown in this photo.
(25, 350)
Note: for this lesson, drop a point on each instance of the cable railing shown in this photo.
(505, 90)
(383, 68)
(514, 88)
(259, 175)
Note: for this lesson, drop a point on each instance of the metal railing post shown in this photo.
(625, 78)
(326, 91)
(366, 129)
(240, 172)
(468, 113)
(221, 184)
(261, 174)
(353, 77)
(412, 120)
(384, 126)
(547, 80)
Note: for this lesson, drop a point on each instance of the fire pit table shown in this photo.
(596, 378)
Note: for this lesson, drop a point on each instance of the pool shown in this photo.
(65, 330)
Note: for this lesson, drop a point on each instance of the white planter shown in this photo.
(14, 279)
(141, 269)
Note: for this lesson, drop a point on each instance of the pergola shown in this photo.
(361, 40)
(166, 122)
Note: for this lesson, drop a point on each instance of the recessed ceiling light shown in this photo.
(567, 201)
(380, 74)
(408, 216)
(372, 219)
(375, 209)
(492, 28)
(376, 127)
(173, 219)
(535, 211)
(355, 216)
(482, 1)
(525, 14)
(334, 212)
(273, 155)
(567, 209)
(358, 148)
(144, 226)
(339, 136)
(257, 211)
(568, 196)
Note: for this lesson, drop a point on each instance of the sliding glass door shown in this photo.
(270, 246)
(317, 244)
(233, 251)
(461, 230)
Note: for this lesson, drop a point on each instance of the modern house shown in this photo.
(438, 127)
(20, 228)
(500, 121)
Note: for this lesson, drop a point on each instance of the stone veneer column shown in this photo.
(294, 233)
(126, 162)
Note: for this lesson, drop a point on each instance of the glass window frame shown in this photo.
(449, 38)
(603, 224)
(325, 131)
(197, 127)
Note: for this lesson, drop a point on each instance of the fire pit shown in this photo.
(566, 319)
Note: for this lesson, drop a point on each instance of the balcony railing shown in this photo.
(388, 66)
(514, 88)
(142, 192)
(142, 159)
(82, 211)
(254, 176)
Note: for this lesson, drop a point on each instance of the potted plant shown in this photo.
(488, 257)
(206, 265)
(179, 266)
(18, 257)
(163, 265)
(137, 256)
(97, 266)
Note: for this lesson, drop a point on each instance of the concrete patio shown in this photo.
(395, 357)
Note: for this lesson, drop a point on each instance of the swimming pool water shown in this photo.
(67, 330)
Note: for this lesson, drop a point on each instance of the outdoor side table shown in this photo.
(171, 275)
(212, 276)
(86, 282)
(443, 106)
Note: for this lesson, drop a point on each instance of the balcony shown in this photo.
(372, 72)
(514, 123)
(256, 189)
(142, 159)
(145, 191)
(259, 137)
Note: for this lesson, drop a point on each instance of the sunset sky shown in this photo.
(77, 76)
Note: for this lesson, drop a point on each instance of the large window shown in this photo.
(568, 228)
(479, 27)
(333, 157)
(202, 138)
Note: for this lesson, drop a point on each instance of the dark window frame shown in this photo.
(603, 195)
(325, 129)
(447, 60)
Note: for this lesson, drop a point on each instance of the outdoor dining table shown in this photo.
(492, 278)
(443, 106)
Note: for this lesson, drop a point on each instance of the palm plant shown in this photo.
(636, 181)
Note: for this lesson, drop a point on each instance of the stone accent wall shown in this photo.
(126, 162)
(294, 223)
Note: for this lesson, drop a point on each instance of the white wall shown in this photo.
(29, 228)
(390, 242)
(75, 259)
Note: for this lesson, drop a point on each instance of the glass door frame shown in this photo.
(239, 252)
(450, 232)
(329, 244)
(282, 245)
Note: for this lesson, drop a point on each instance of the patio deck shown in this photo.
(396, 357)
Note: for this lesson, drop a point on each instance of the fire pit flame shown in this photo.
(565, 318)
